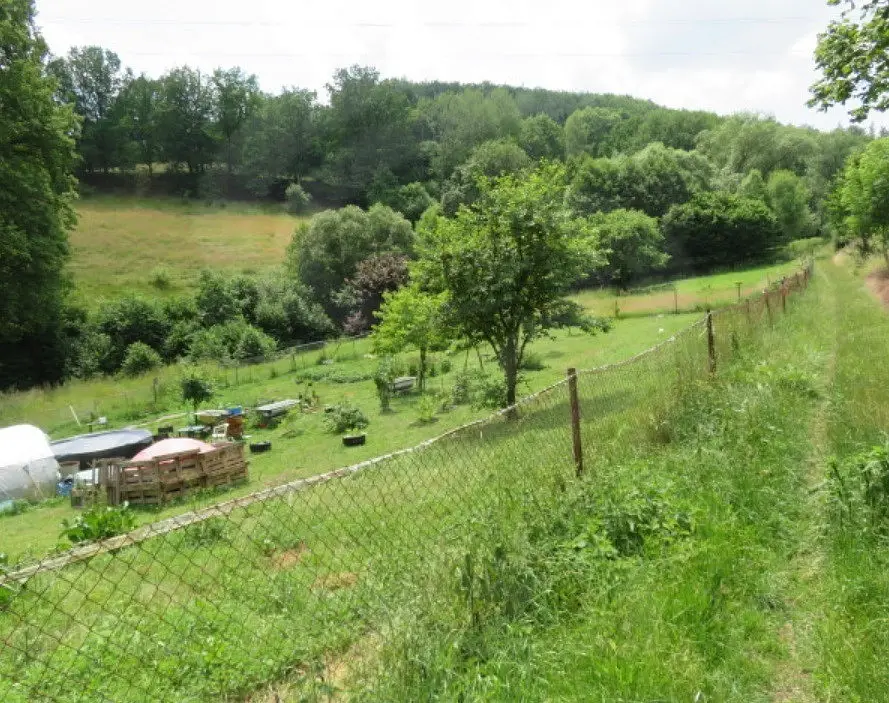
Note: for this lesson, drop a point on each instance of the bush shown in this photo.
(383, 381)
(160, 278)
(139, 359)
(297, 199)
(345, 418)
(490, 393)
(99, 522)
(195, 390)
(426, 408)
(233, 340)
(127, 321)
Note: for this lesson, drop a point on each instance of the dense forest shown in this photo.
(659, 191)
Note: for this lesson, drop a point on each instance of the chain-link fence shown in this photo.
(304, 581)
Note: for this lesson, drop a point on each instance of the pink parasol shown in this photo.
(174, 445)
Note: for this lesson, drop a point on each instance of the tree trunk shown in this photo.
(510, 372)
(422, 379)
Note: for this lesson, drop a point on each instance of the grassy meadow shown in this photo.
(688, 294)
(120, 244)
(300, 447)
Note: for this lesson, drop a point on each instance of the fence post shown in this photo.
(575, 421)
(711, 344)
(738, 286)
(768, 306)
(747, 309)
(784, 299)
(675, 300)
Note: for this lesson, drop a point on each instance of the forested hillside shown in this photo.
(647, 190)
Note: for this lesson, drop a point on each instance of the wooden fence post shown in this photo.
(784, 299)
(738, 285)
(768, 306)
(675, 300)
(575, 421)
(711, 344)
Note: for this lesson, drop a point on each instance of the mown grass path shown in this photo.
(793, 677)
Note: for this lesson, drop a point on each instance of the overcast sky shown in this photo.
(721, 55)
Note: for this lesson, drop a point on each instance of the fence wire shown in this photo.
(295, 583)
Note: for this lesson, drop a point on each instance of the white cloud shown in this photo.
(731, 56)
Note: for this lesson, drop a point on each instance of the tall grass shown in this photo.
(852, 640)
(659, 577)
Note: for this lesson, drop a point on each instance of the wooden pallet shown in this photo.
(165, 478)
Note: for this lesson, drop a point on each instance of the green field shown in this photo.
(686, 294)
(301, 447)
(669, 545)
(119, 243)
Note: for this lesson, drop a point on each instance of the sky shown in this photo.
(721, 55)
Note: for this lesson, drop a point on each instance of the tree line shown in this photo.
(636, 188)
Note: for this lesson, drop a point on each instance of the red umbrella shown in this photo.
(175, 445)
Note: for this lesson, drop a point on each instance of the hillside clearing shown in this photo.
(119, 242)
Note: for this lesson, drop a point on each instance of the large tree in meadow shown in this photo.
(506, 264)
(853, 56)
(37, 156)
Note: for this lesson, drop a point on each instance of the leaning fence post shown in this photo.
(575, 421)
(711, 344)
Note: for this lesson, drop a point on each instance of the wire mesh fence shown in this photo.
(300, 581)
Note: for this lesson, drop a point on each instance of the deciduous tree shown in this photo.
(506, 264)
(632, 243)
(37, 155)
(853, 55)
(411, 318)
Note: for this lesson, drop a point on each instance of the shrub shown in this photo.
(195, 390)
(490, 393)
(139, 359)
(345, 417)
(426, 408)
(383, 381)
(233, 340)
(160, 278)
(461, 392)
(532, 362)
(254, 344)
(99, 522)
(298, 200)
(127, 321)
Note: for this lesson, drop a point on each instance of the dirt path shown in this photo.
(793, 678)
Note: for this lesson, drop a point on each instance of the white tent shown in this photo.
(28, 468)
